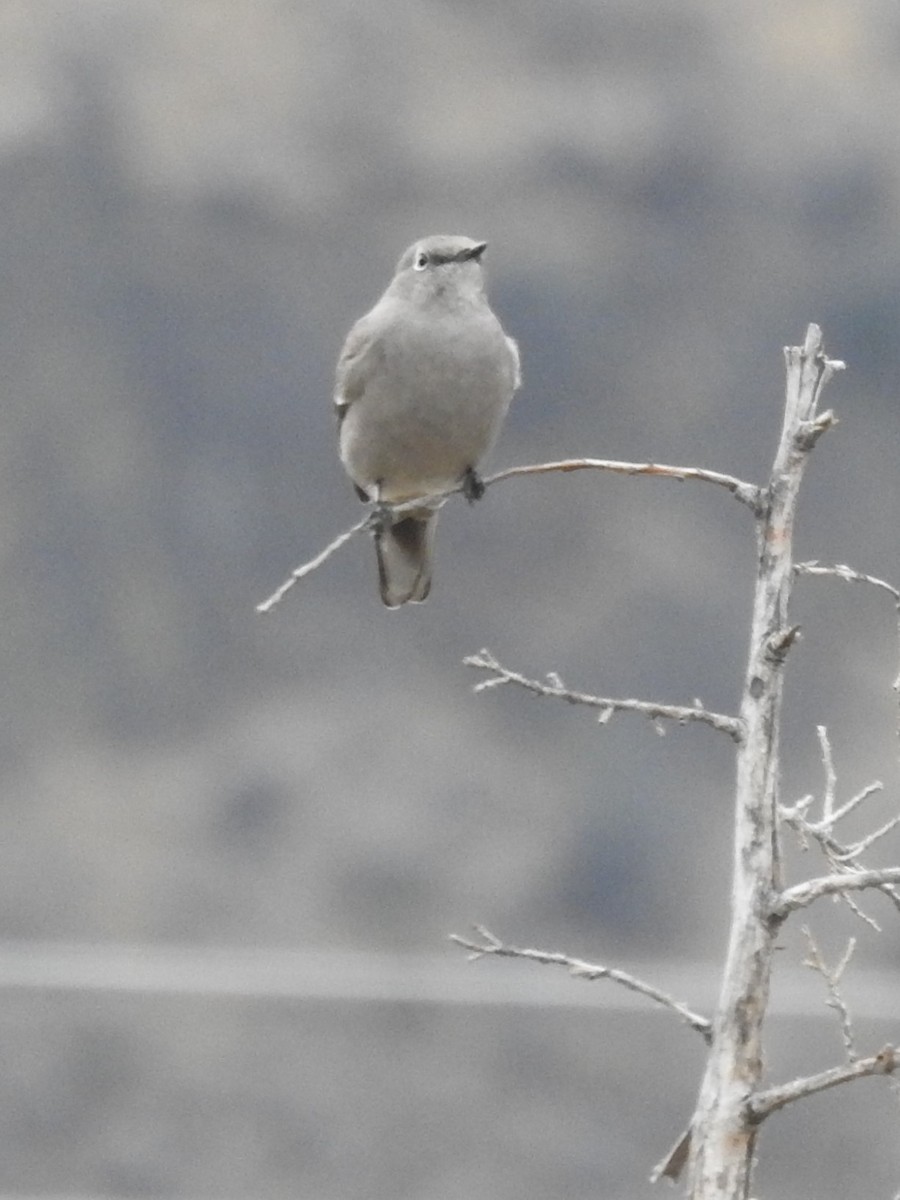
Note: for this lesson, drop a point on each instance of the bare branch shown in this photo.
(849, 806)
(849, 575)
(763, 1104)
(796, 815)
(804, 894)
(747, 493)
(485, 661)
(307, 568)
(857, 848)
(830, 776)
(840, 857)
(858, 911)
(842, 571)
(832, 976)
(579, 969)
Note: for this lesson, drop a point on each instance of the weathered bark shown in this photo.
(723, 1129)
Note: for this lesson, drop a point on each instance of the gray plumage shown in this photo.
(423, 384)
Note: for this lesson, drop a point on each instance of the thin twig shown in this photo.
(485, 661)
(864, 843)
(849, 575)
(579, 969)
(825, 826)
(306, 568)
(763, 1104)
(832, 976)
(840, 857)
(830, 776)
(801, 895)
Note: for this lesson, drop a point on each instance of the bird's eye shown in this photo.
(421, 261)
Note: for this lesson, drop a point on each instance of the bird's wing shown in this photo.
(517, 366)
(362, 352)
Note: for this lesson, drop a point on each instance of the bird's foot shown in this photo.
(381, 516)
(472, 486)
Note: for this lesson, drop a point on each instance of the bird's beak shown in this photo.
(474, 252)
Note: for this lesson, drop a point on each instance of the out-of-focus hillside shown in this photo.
(196, 200)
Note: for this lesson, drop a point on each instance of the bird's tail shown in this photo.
(404, 559)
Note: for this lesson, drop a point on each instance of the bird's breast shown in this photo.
(434, 406)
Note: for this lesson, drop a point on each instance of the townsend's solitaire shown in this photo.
(423, 384)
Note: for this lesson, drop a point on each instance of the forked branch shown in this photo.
(841, 857)
(832, 976)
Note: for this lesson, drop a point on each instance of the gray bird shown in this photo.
(423, 384)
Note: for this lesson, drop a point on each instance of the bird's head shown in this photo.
(436, 264)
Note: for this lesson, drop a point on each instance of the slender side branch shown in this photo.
(840, 857)
(577, 967)
(849, 575)
(804, 894)
(747, 493)
(763, 1104)
(308, 567)
(815, 960)
(555, 689)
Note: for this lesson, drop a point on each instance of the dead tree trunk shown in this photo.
(723, 1131)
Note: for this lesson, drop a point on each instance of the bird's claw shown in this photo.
(381, 517)
(472, 485)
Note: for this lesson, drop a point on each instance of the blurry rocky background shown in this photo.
(197, 197)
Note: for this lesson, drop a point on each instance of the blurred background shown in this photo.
(233, 846)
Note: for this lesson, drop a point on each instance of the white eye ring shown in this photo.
(421, 261)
